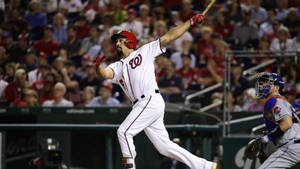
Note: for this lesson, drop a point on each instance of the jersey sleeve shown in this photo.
(117, 68)
(153, 49)
(280, 110)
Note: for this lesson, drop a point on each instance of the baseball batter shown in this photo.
(135, 74)
(281, 121)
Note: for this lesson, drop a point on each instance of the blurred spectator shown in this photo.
(296, 40)
(118, 12)
(233, 11)
(91, 45)
(36, 74)
(20, 101)
(223, 26)
(160, 28)
(45, 87)
(291, 96)
(281, 10)
(49, 7)
(3, 57)
(83, 28)
(30, 62)
(188, 74)
(170, 83)
(60, 28)
(8, 44)
(36, 20)
(292, 22)
(204, 45)
(10, 70)
(185, 46)
(185, 50)
(258, 14)
(245, 34)
(15, 23)
(2, 5)
(170, 163)
(132, 24)
(276, 25)
(213, 72)
(159, 65)
(239, 83)
(145, 19)
(71, 69)
(283, 42)
(91, 79)
(59, 100)
(72, 45)
(187, 12)
(19, 50)
(82, 70)
(88, 95)
(266, 27)
(31, 98)
(47, 44)
(73, 90)
(3, 83)
(104, 99)
(290, 74)
(73, 8)
(160, 12)
(15, 88)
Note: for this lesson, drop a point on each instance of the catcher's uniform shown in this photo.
(288, 152)
(135, 74)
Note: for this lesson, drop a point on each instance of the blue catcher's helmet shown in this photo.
(264, 82)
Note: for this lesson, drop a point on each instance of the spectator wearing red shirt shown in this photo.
(16, 23)
(205, 45)
(14, 89)
(45, 87)
(83, 29)
(189, 75)
(223, 27)
(187, 12)
(47, 44)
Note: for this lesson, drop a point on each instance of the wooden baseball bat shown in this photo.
(208, 7)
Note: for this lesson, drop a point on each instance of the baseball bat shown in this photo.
(208, 7)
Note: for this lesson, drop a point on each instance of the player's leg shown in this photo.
(159, 136)
(285, 157)
(139, 118)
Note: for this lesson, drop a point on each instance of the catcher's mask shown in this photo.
(264, 83)
(50, 153)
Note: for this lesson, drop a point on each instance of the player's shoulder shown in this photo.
(270, 103)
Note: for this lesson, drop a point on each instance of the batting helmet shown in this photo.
(270, 79)
(131, 40)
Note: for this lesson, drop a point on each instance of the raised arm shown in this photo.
(176, 32)
(103, 73)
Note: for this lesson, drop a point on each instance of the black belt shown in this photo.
(143, 96)
(297, 141)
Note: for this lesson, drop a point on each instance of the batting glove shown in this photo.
(98, 60)
(197, 19)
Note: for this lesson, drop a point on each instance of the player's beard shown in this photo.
(119, 53)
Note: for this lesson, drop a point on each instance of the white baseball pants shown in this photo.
(147, 114)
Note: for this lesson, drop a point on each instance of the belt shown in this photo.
(143, 96)
(297, 141)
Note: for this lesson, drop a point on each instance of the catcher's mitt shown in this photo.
(254, 149)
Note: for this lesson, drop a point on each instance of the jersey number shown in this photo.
(135, 62)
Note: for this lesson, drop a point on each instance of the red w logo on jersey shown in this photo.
(135, 62)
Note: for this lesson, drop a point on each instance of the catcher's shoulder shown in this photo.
(270, 103)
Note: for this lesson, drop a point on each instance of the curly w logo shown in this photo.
(135, 62)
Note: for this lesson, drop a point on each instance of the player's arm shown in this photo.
(283, 125)
(103, 73)
(176, 32)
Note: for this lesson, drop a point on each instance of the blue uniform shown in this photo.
(287, 153)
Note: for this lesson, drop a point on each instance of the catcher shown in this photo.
(282, 123)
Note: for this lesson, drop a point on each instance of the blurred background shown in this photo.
(56, 113)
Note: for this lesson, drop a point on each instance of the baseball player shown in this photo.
(134, 72)
(282, 123)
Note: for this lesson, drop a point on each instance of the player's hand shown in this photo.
(98, 60)
(197, 19)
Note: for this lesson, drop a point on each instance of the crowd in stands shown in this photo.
(47, 48)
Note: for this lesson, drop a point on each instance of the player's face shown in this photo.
(120, 45)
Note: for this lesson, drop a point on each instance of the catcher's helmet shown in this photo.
(270, 79)
(131, 40)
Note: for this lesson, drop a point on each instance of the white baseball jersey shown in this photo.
(136, 74)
